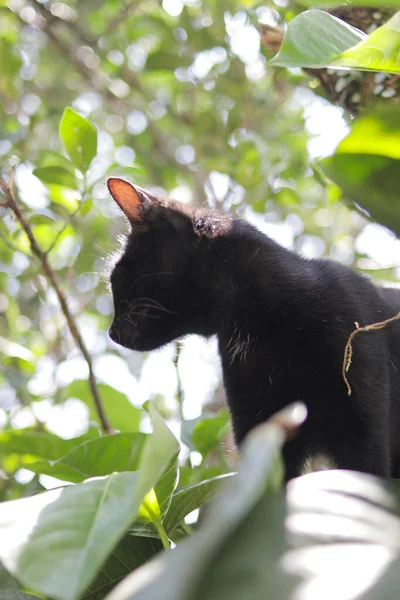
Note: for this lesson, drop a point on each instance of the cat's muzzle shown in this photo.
(114, 334)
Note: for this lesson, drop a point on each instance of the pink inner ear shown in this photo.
(125, 196)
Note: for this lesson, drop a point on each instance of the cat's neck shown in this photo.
(245, 275)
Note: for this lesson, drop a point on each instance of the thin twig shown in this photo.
(52, 278)
(348, 351)
(63, 228)
(179, 391)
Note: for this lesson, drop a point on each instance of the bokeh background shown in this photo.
(186, 105)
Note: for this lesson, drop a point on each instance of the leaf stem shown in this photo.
(157, 524)
(179, 393)
(162, 533)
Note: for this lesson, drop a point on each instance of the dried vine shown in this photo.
(348, 351)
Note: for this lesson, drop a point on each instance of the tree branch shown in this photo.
(52, 278)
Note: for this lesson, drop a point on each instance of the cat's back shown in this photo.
(391, 296)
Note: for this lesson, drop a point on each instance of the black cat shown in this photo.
(282, 323)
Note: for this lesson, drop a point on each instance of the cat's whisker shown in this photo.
(143, 314)
(151, 306)
(154, 304)
(148, 275)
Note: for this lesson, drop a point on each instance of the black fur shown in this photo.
(282, 323)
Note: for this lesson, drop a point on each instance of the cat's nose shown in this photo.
(113, 333)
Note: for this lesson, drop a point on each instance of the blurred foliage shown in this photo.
(178, 96)
(366, 165)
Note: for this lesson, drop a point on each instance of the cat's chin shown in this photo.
(133, 342)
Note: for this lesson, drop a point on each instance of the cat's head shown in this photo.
(155, 281)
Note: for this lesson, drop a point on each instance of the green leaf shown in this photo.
(50, 158)
(16, 595)
(101, 456)
(320, 537)
(191, 475)
(208, 433)
(56, 175)
(185, 500)
(225, 518)
(131, 553)
(158, 461)
(367, 162)
(41, 444)
(314, 39)
(375, 132)
(7, 582)
(41, 220)
(122, 414)
(167, 483)
(188, 425)
(379, 52)
(79, 137)
(371, 182)
(55, 542)
(375, 3)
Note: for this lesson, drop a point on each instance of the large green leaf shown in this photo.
(130, 553)
(55, 542)
(16, 595)
(370, 181)
(375, 132)
(337, 535)
(260, 470)
(379, 52)
(7, 581)
(101, 456)
(39, 444)
(340, 529)
(158, 469)
(166, 484)
(79, 137)
(366, 165)
(185, 500)
(314, 39)
(158, 466)
(122, 414)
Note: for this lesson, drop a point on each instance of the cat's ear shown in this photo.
(128, 198)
